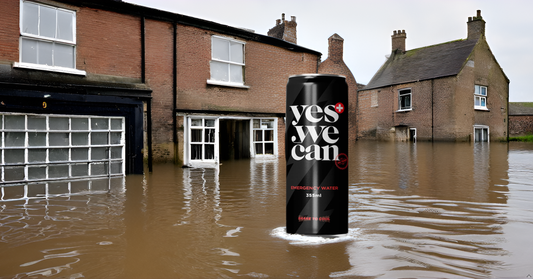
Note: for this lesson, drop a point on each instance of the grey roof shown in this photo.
(520, 108)
(425, 63)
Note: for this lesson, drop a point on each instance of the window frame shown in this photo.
(228, 62)
(54, 40)
(400, 95)
(482, 128)
(203, 143)
(48, 142)
(263, 142)
(481, 97)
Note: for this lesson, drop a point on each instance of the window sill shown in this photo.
(63, 70)
(404, 110)
(482, 109)
(228, 84)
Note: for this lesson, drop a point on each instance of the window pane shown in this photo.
(116, 152)
(57, 171)
(80, 139)
(98, 168)
(99, 153)
(236, 73)
(64, 56)
(47, 23)
(209, 152)
(15, 139)
(483, 100)
(116, 168)
(36, 155)
(196, 135)
(484, 91)
(29, 51)
(220, 49)
(15, 122)
(269, 148)
(258, 148)
(258, 135)
(477, 101)
(13, 173)
(196, 151)
(65, 25)
(58, 123)
(256, 123)
(210, 123)
(269, 135)
(36, 139)
(476, 89)
(209, 135)
(30, 18)
(37, 172)
(268, 122)
(219, 71)
(115, 138)
(45, 53)
(80, 123)
(116, 124)
(99, 123)
(12, 156)
(58, 155)
(236, 52)
(80, 170)
(98, 138)
(36, 122)
(79, 154)
(58, 139)
(196, 122)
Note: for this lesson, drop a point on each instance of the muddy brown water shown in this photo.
(416, 210)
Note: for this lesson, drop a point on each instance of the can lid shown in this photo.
(316, 75)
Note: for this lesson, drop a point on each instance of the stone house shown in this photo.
(91, 88)
(454, 91)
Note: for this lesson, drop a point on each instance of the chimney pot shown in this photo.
(284, 30)
(476, 27)
(398, 40)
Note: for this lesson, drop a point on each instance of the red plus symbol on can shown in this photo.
(339, 107)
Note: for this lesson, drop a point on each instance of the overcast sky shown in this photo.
(367, 26)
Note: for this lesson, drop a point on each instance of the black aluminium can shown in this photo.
(316, 152)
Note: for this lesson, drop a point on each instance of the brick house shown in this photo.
(454, 91)
(520, 119)
(82, 82)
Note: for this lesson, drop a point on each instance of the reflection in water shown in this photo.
(416, 210)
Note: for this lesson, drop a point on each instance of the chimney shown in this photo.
(398, 40)
(284, 29)
(476, 26)
(335, 48)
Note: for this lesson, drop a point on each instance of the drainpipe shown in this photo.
(175, 89)
(149, 101)
(432, 106)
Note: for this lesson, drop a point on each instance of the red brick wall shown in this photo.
(159, 63)
(520, 125)
(108, 43)
(266, 73)
(9, 31)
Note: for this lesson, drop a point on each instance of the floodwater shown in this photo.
(416, 210)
